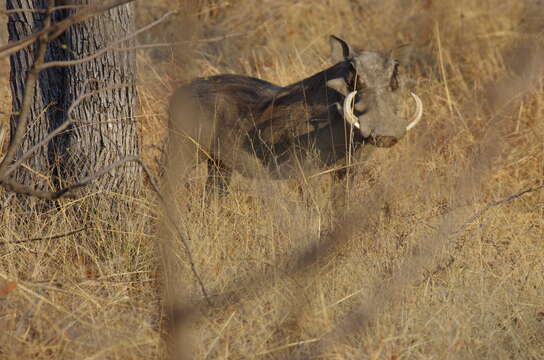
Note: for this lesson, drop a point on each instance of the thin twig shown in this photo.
(85, 181)
(59, 129)
(493, 204)
(23, 189)
(28, 97)
(52, 31)
(185, 42)
(109, 47)
(53, 237)
(40, 11)
(451, 259)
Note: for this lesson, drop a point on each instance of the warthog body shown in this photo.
(250, 125)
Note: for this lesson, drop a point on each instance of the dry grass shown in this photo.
(396, 275)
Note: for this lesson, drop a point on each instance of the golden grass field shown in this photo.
(410, 268)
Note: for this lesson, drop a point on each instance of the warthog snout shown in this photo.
(380, 133)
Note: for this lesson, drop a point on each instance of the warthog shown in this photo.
(249, 125)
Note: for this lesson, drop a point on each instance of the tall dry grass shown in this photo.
(403, 271)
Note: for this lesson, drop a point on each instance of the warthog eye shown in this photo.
(361, 86)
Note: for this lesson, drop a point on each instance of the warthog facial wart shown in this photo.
(249, 125)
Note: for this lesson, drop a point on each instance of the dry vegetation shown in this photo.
(402, 272)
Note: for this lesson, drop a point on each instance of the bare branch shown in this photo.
(28, 95)
(54, 195)
(22, 189)
(53, 237)
(493, 204)
(97, 174)
(52, 31)
(59, 129)
(40, 11)
(109, 47)
(458, 245)
(185, 42)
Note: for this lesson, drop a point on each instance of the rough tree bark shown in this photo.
(106, 128)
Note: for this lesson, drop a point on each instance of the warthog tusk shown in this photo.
(419, 112)
(348, 110)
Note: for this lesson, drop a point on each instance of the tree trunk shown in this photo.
(49, 97)
(106, 129)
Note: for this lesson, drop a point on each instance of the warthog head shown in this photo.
(374, 95)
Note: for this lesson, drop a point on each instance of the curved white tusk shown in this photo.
(419, 112)
(348, 110)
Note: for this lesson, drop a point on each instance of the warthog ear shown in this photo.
(340, 50)
(339, 84)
